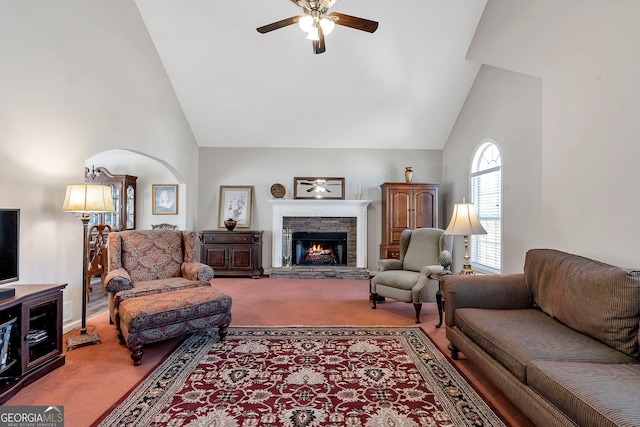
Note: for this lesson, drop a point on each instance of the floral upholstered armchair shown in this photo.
(143, 262)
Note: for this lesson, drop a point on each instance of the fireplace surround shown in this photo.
(320, 208)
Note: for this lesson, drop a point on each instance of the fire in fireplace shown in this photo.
(312, 248)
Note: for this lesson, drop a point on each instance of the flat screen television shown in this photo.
(9, 244)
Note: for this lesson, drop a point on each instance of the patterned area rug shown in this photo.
(303, 376)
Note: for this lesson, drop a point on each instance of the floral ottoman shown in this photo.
(156, 317)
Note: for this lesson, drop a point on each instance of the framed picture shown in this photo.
(164, 199)
(318, 188)
(236, 201)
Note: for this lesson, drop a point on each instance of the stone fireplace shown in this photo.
(348, 217)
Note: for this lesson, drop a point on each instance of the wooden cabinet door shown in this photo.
(424, 209)
(241, 257)
(216, 256)
(401, 209)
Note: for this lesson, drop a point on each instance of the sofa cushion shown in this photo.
(153, 311)
(159, 286)
(590, 393)
(516, 337)
(401, 279)
(597, 299)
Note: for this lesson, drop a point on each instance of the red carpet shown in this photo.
(96, 377)
(301, 376)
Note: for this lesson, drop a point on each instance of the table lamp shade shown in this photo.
(464, 221)
(88, 198)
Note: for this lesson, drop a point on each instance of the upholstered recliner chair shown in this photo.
(423, 251)
(144, 262)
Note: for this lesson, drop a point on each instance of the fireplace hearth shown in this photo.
(312, 248)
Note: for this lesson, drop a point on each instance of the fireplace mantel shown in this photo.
(320, 208)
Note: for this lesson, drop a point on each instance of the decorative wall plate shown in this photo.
(278, 191)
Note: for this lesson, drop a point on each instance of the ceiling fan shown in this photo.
(317, 23)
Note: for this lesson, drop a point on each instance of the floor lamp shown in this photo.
(465, 222)
(83, 200)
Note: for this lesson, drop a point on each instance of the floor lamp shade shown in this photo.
(87, 198)
(465, 222)
(84, 199)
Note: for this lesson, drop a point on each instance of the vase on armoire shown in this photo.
(408, 174)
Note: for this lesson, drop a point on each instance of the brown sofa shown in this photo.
(560, 340)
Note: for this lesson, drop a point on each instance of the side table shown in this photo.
(439, 297)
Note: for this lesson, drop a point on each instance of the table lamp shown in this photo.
(465, 222)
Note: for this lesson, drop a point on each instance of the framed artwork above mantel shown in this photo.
(318, 188)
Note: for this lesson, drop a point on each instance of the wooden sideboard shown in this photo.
(406, 206)
(31, 325)
(232, 253)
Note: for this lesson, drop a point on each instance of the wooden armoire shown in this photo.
(405, 205)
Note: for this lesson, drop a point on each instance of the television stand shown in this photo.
(30, 336)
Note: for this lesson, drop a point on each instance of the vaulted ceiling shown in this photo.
(400, 87)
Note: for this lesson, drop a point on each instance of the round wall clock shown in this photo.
(278, 191)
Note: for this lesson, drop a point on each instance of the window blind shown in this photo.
(486, 189)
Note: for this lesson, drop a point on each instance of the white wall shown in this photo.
(265, 167)
(78, 78)
(585, 52)
(503, 107)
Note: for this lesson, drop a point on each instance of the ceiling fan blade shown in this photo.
(318, 45)
(355, 22)
(277, 25)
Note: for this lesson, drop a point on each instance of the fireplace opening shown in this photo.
(311, 248)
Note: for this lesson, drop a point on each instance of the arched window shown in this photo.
(486, 195)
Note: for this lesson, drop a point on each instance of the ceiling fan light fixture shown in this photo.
(317, 22)
(313, 34)
(306, 23)
(327, 25)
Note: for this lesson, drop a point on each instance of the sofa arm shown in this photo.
(497, 292)
(389, 264)
(117, 280)
(196, 271)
